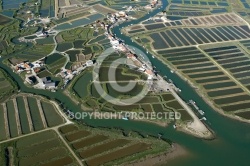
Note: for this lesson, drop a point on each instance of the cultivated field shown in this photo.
(219, 72)
(24, 114)
(44, 149)
(85, 91)
(7, 85)
(74, 44)
(161, 34)
(4, 20)
(211, 51)
(47, 8)
(97, 146)
(55, 62)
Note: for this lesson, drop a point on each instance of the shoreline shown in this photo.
(163, 158)
(208, 101)
(207, 136)
(200, 92)
(183, 127)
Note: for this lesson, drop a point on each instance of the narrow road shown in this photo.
(19, 130)
(197, 125)
(41, 113)
(67, 121)
(199, 128)
(6, 121)
(56, 7)
(69, 148)
(67, 3)
(26, 135)
(28, 113)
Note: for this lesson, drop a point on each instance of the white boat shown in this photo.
(174, 126)
(171, 71)
(153, 57)
(203, 118)
(124, 118)
(201, 112)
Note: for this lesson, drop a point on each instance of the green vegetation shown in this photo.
(29, 114)
(35, 114)
(12, 120)
(3, 135)
(62, 47)
(105, 146)
(51, 114)
(35, 52)
(55, 62)
(83, 89)
(47, 8)
(10, 31)
(4, 20)
(38, 149)
(81, 85)
(7, 86)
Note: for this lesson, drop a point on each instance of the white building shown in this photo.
(89, 63)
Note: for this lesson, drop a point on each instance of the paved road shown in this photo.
(69, 148)
(196, 125)
(56, 7)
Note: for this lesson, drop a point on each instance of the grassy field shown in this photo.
(10, 31)
(50, 112)
(100, 146)
(78, 38)
(104, 147)
(77, 135)
(3, 133)
(87, 94)
(47, 8)
(115, 155)
(29, 115)
(23, 115)
(35, 115)
(7, 86)
(55, 62)
(36, 52)
(12, 119)
(39, 149)
(4, 20)
(81, 85)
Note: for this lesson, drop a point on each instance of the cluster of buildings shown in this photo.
(119, 45)
(68, 75)
(28, 66)
(48, 83)
(142, 67)
(32, 68)
(121, 15)
(42, 34)
(153, 4)
(116, 43)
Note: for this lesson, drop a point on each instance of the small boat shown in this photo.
(203, 118)
(201, 112)
(125, 118)
(153, 57)
(171, 71)
(174, 126)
